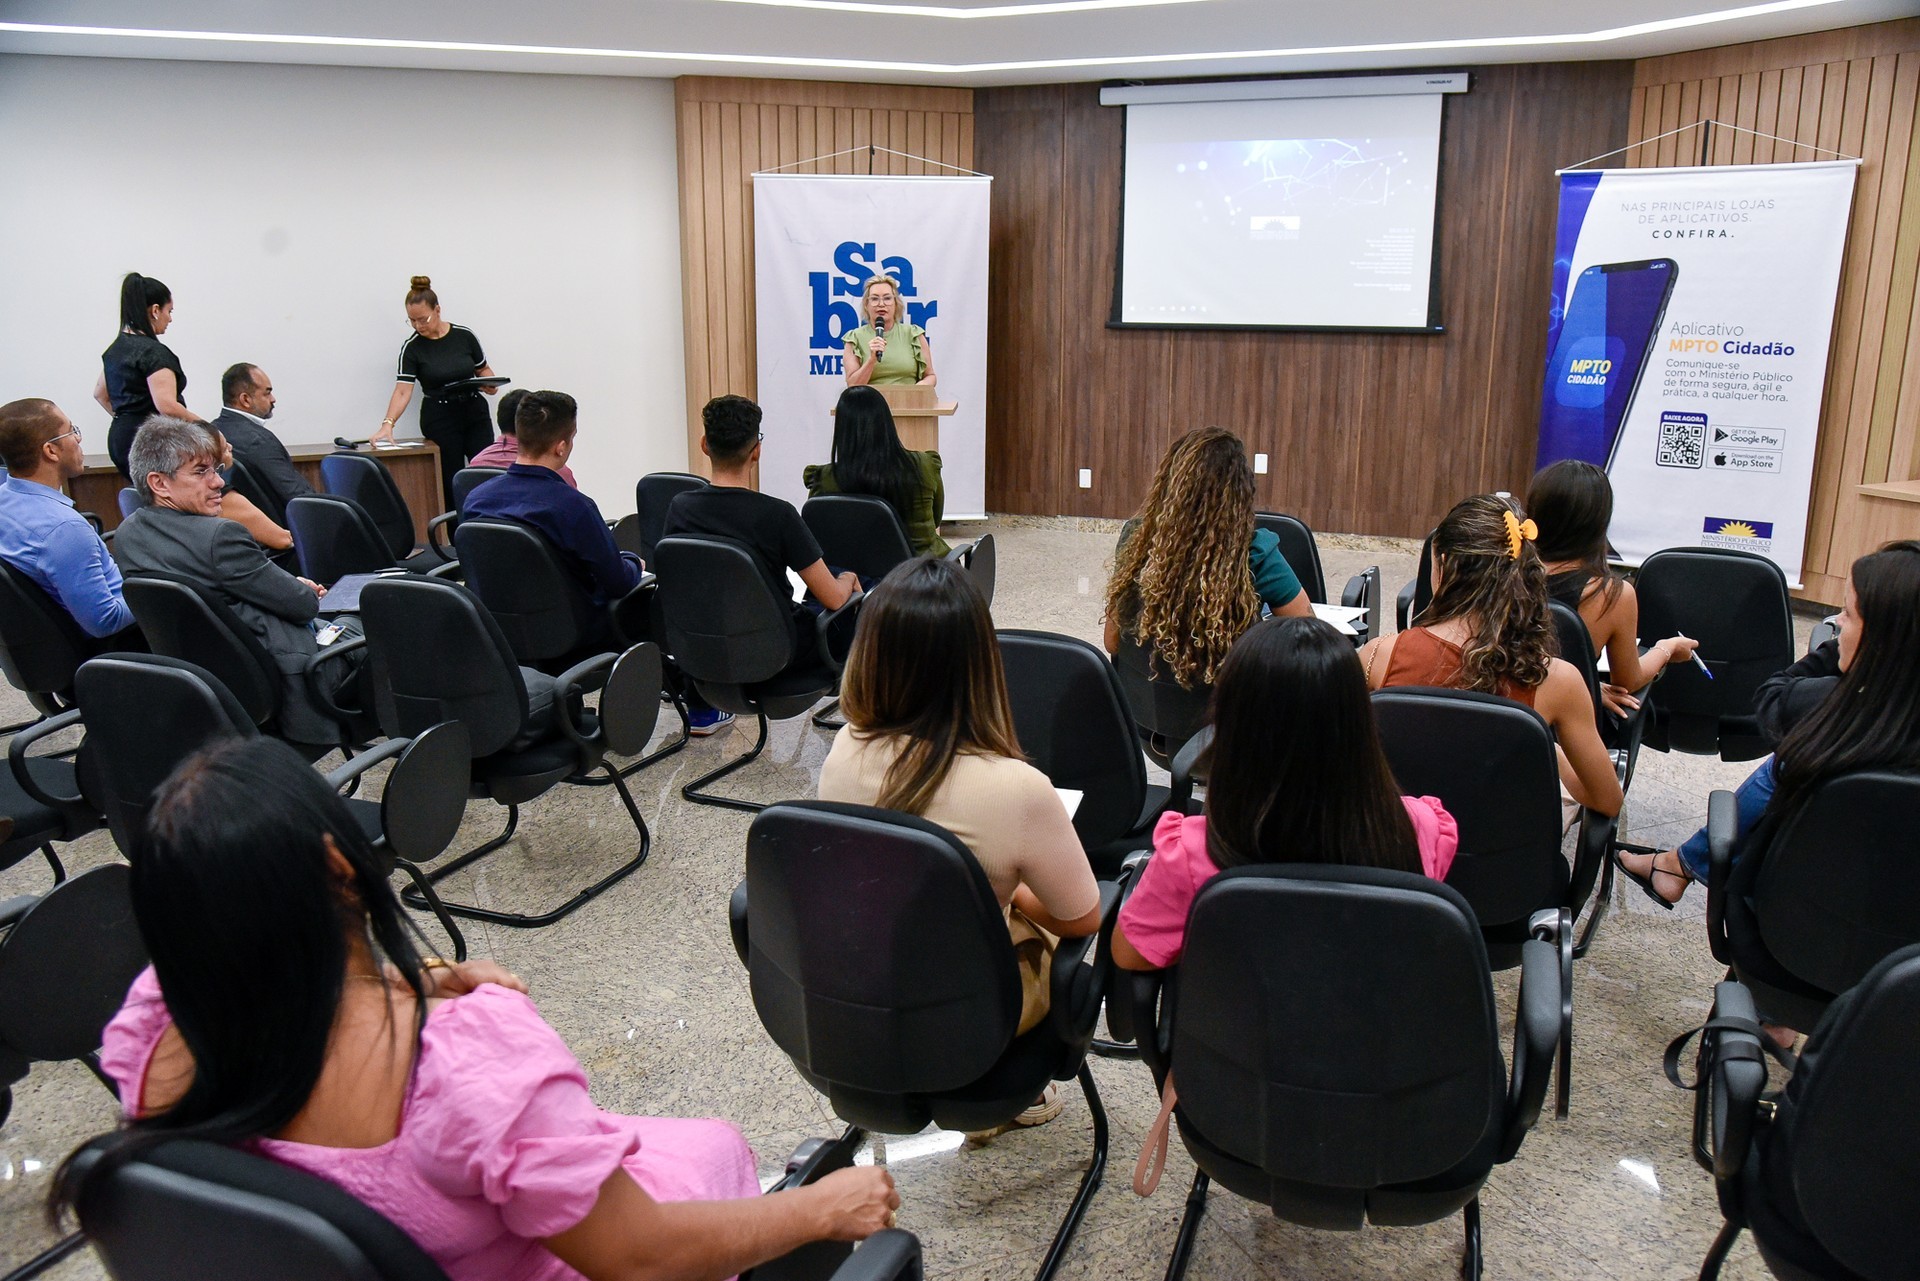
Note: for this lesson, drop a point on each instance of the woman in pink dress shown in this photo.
(1297, 776)
(288, 1011)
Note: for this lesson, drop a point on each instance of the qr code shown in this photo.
(1683, 440)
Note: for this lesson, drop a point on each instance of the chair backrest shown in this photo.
(1491, 762)
(722, 624)
(1159, 705)
(905, 986)
(652, 494)
(187, 620)
(1854, 1122)
(41, 647)
(187, 1208)
(857, 532)
(248, 486)
(367, 481)
(1335, 1026)
(1422, 585)
(1576, 647)
(1735, 604)
(129, 500)
(443, 658)
(538, 603)
(122, 698)
(1839, 886)
(468, 479)
(1302, 553)
(334, 537)
(1071, 717)
(66, 965)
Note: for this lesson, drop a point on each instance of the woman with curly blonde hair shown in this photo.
(1191, 573)
(1489, 630)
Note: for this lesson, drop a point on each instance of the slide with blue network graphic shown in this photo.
(1293, 212)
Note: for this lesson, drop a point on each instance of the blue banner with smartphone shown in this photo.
(1687, 347)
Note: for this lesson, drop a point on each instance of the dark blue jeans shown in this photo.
(1750, 801)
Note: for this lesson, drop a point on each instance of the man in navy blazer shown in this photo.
(248, 394)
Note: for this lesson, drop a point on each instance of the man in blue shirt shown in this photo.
(533, 493)
(41, 535)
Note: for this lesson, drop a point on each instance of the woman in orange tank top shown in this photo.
(1488, 630)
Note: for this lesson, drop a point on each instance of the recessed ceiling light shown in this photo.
(930, 68)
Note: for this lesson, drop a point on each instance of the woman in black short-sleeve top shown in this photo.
(140, 376)
(437, 354)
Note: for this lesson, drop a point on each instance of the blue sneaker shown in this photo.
(711, 721)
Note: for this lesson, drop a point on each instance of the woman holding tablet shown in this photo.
(886, 351)
(437, 355)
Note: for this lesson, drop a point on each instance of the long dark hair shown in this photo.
(1872, 718)
(868, 457)
(925, 667)
(1493, 579)
(1572, 503)
(1297, 774)
(246, 924)
(137, 293)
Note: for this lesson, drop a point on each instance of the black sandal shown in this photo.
(1646, 882)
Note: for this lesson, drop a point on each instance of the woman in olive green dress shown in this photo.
(868, 458)
(886, 351)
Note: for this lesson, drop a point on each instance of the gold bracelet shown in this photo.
(434, 963)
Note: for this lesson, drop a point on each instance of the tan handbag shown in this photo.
(1033, 952)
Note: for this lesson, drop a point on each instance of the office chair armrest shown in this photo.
(823, 630)
(1592, 848)
(1078, 979)
(816, 1158)
(1119, 1006)
(333, 653)
(1733, 1072)
(357, 765)
(1403, 606)
(1536, 1036)
(570, 685)
(17, 759)
(1722, 821)
(439, 532)
(1149, 995)
(891, 1254)
(11, 910)
(1186, 763)
(1363, 592)
(630, 614)
(737, 919)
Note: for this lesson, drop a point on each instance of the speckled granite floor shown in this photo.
(644, 985)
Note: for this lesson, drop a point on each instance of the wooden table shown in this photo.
(415, 468)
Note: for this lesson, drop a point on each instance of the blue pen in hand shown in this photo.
(1695, 656)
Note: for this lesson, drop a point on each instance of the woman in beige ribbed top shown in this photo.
(929, 732)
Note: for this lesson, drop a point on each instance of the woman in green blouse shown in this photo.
(886, 351)
(868, 458)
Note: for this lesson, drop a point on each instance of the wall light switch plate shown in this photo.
(1259, 464)
(1086, 478)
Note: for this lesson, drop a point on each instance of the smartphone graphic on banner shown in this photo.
(1613, 317)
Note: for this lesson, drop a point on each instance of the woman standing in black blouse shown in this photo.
(440, 353)
(140, 376)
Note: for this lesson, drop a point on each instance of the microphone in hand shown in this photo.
(879, 345)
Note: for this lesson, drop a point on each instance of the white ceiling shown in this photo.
(958, 42)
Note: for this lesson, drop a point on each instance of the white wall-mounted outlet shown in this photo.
(1259, 464)
(1086, 478)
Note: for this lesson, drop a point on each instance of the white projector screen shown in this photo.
(1297, 213)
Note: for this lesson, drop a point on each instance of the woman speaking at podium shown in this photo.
(438, 355)
(886, 351)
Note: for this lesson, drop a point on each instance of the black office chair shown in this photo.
(243, 482)
(1735, 604)
(1303, 557)
(1417, 595)
(48, 798)
(1837, 889)
(900, 1002)
(652, 495)
(441, 528)
(1070, 714)
(1166, 714)
(41, 647)
(547, 617)
(1824, 1176)
(365, 480)
(187, 620)
(67, 958)
(862, 533)
(1337, 1050)
(1491, 762)
(333, 537)
(734, 640)
(188, 1208)
(443, 658)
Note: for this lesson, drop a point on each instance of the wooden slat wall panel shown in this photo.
(731, 127)
(1854, 91)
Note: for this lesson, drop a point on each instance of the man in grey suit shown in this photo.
(248, 394)
(179, 532)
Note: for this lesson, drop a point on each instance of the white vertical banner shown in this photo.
(816, 239)
(1687, 347)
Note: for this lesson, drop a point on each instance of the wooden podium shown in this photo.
(917, 412)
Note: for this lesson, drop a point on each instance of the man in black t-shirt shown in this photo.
(768, 527)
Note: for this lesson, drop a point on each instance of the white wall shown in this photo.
(287, 206)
